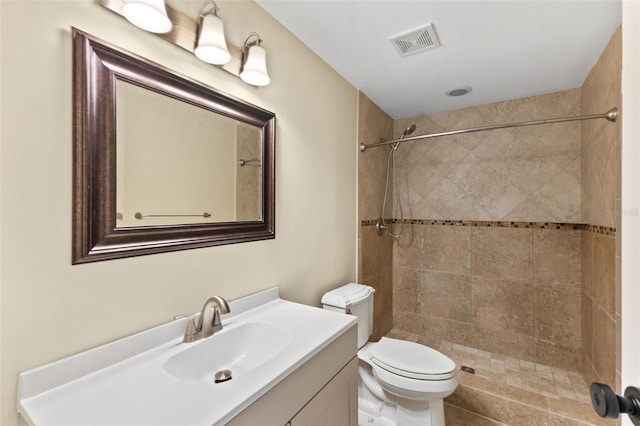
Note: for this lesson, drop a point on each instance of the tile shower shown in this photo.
(510, 253)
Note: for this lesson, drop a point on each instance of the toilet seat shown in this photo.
(420, 390)
(411, 360)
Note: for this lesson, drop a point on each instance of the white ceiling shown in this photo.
(503, 49)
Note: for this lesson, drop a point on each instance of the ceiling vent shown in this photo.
(415, 41)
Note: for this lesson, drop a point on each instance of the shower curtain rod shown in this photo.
(611, 115)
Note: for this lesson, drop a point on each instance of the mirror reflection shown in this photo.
(196, 167)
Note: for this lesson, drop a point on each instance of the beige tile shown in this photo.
(580, 412)
(370, 252)
(406, 287)
(530, 210)
(489, 175)
(445, 201)
(547, 386)
(511, 364)
(544, 371)
(503, 305)
(382, 283)
(484, 363)
(495, 407)
(514, 380)
(407, 321)
(382, 325)
(587, 328)
(503, 390)
(507, 343)
(603, 272)
(561, 196)
(407, 250)
(456, 416)
(508, 268)
(502, 253)
(586, 252)
(556, 355)
(561, 377)
(502, 242)
(556, 420)
(604, 335)
(446, 295)
(460, 332)
(557, 257)
(566, 392)
(447, 248)
(437, 328)
(557, 315)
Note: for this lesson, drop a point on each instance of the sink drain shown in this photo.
(223, 376)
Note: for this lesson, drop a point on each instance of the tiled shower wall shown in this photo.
(601, 194)
(375, 263)
(520, 174)
(472, 277)
(515, 291)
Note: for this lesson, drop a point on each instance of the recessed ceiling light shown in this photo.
(458, 91)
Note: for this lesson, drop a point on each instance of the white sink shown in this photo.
(239, 350)
(153, 378)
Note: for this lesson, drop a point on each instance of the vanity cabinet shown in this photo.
(336, 404)
(322, 391)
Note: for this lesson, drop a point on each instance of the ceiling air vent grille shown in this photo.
(415, 41)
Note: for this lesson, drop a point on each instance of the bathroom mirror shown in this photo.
(162, 162)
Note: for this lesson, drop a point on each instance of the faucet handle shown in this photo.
(190, 333)
(216, 322)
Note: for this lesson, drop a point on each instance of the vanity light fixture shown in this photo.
(150, 15)
(211, 46)
(202, 35)
(254, 65)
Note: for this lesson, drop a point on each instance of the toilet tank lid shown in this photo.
(347, 295)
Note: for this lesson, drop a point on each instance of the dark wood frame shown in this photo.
(96, 67)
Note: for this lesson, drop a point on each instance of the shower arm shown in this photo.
(611, 115)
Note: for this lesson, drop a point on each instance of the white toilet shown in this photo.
(401, 383)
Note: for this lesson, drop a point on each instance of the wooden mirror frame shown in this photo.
(96, 67)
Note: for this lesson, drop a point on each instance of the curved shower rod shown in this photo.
(611, 115)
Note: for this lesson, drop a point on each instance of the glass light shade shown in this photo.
(150, 15)
(211, 46)
(254, 70)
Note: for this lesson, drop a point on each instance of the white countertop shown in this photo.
(125, 383)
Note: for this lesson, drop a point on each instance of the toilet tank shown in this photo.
(353, 299)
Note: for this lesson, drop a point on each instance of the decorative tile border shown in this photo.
(596, 229)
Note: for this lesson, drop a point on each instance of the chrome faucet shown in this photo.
(208, 321)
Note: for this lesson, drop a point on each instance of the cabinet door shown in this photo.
(337, 402)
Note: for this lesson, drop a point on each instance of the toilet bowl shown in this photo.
(401, 383)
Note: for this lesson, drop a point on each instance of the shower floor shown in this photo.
(504, 390)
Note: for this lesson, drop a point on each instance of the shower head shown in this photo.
(408, 131)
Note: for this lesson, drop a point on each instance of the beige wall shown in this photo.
(50, 309)
(601, 194)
